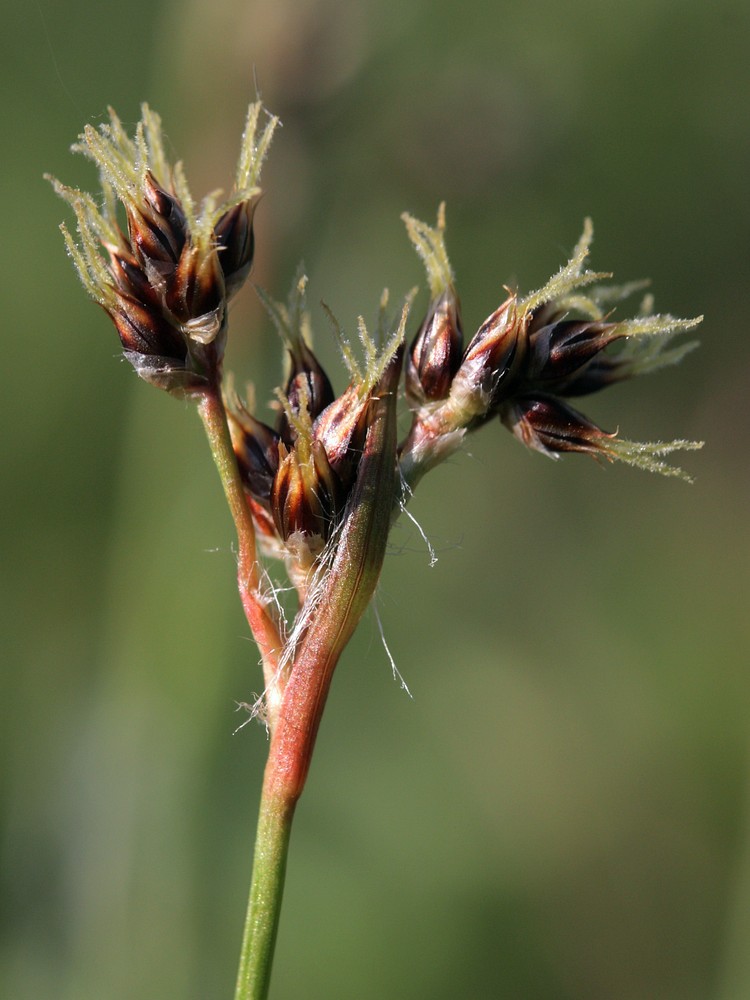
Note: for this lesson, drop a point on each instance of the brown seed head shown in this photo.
(195, 293)
(257, 449)
(164, 286)
(560, 354)
(546, 424)
(307, 387)
(157, 228)
(152, 338)
(435, 353)
(235, 242)
(144, 329)
(170, 303)
(306, 494)
(341, 429)
(490, 363)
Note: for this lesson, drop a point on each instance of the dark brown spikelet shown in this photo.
(307, 387)
(550, 426)
(157, 228)
(490, 363)
(235, 243)
(257, 449)
(435, 353)
(341, 429)
(164, 284)
(561, 353)
(152, 342)
(195, 291)
(144, 330)
(306, 495)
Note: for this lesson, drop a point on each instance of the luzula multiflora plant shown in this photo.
(321, 485)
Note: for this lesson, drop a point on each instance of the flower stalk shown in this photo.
(341, 597)
(259, 610)
(266, 894)
(319, 487)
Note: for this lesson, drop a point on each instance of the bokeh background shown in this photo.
(561, 811)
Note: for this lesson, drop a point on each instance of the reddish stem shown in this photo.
(338, 601)
(263, 623)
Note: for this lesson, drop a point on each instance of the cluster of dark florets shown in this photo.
(166, 277)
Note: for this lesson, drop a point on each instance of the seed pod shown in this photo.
(195, 293)
(548, 425)
(306, 493)
(129, 277)
(341, 429)
(156, 349)
(145, 330)
(157, 228)
(560, 352)
(601, 371)
(164, 286)
(257, 449)
(490, 363)
(435, 353)
(307, 386)
(235, 242)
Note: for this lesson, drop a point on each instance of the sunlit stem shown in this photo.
(340, 599)
(258, 609)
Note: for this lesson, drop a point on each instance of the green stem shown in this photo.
(342, 595)
(266, 891)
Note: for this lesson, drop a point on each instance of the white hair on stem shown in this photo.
(397, 675)
(406, 494)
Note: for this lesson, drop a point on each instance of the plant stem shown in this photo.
(342, 594)
(266, 891)
(263, 624)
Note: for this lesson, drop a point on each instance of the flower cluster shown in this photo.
(522, 365)
(526, 359)
(171, 270)
(321, 485)
(300, 473)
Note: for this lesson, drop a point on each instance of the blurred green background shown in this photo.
(562, 809)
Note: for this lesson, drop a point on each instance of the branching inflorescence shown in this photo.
(320, 486)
